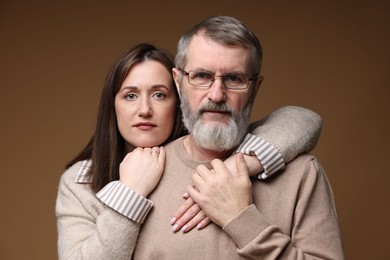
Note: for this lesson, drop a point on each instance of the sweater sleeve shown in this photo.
(281, 136)
(87, 229)
(125, 201)
(315, 230)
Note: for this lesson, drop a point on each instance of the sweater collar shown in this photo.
(82, 175)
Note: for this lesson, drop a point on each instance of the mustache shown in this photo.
(220, 107)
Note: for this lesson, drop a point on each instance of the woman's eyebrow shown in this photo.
(129, 88)
(156, 86)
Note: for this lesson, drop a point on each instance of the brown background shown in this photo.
(331, 57)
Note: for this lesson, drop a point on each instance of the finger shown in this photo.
(161, 157)
(194, 222)
(182, 209)
(193, 192)
(242, 167)
(186, 195)
(198, 182)
(155, 152)
(218, 166)
(203, 172)
(203, 223)
(147, 150)
(156, 149)
(189, 219)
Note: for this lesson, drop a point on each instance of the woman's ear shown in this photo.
(176, 78)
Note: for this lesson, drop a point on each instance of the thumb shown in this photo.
(242, 167)
(161, 157)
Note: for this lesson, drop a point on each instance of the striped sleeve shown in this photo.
(269, 156)
(127, 202)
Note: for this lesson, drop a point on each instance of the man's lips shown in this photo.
(144, 126)
(216, 113)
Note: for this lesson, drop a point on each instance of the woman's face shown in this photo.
(145, 105)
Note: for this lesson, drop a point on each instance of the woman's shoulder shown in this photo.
(77, 173)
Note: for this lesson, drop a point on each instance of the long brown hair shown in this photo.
(106, 148)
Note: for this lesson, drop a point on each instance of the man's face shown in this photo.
(217, 117)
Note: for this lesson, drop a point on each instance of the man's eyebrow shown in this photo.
(228, 72)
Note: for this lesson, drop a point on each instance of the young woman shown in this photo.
(102, 198)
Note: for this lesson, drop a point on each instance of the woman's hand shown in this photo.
(141, 170)
(188, 216)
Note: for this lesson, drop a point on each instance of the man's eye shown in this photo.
(234, 78)
(130, 96)
(203, 75)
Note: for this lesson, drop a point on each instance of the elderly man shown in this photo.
(290, 216)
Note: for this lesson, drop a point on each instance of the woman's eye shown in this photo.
(130, 96)
(159, 95)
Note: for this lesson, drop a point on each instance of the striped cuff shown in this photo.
(127, 202)
(269, 155)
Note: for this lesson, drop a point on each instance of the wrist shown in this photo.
(254, 164)
(136, 188)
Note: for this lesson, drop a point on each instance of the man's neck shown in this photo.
(199, 153)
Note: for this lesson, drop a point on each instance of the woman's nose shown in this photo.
(145, 109)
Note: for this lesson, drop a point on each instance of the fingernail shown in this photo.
(184, 228)
(173, 220)
(175, 227)
(199, 226)
(185, 195)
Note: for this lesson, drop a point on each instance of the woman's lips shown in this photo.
(144, 126)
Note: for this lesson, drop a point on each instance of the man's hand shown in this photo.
(222, 195)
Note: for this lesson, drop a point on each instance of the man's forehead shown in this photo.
(206, 53)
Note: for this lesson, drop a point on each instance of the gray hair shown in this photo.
(227, 31)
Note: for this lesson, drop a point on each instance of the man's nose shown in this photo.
(217, 91)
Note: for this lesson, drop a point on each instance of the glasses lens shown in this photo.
(234, 80)
(205, 79)
(200, 78)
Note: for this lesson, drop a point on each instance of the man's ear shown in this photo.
(176, 78)
(258, 83)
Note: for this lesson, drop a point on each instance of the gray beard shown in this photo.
(214, 136)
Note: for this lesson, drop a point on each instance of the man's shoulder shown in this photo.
(301, 159)
(303, 170)
(295, 169)
(303, 166)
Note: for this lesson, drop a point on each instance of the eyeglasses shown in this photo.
(204, 79)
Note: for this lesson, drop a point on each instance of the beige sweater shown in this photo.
(88, 229)
(293, 217)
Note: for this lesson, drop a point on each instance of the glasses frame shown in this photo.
(187, 73)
